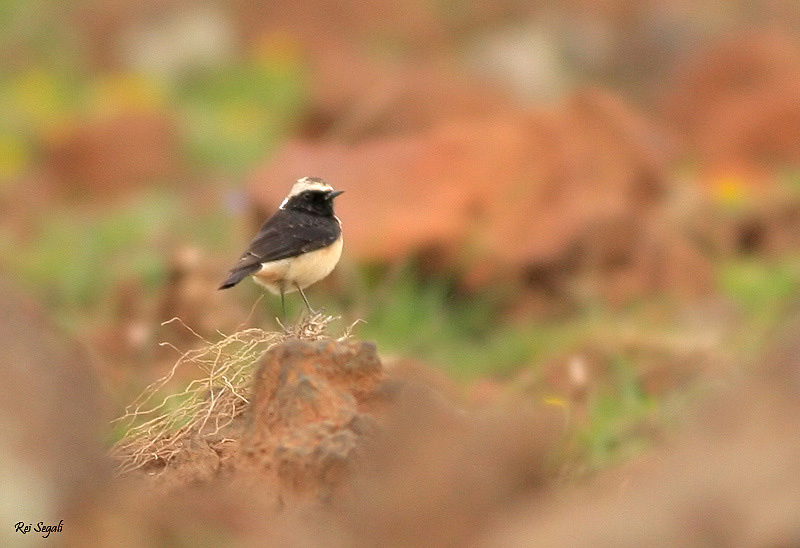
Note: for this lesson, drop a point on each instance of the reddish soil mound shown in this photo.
(739, 103)
(546, 196)
(333, 454)
(729, 481)
(306, 413)
(331, 451)
(51, 410)
(110, 156)
(355, 99)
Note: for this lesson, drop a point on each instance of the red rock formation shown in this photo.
(739, 103)
(108, 157)
(546, 196)
(306, 414)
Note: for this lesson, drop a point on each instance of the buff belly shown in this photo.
(285, 275)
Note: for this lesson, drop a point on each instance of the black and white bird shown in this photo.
(297, 246)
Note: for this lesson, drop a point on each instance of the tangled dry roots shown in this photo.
(158, 423)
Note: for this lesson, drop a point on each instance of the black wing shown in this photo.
(286, 234)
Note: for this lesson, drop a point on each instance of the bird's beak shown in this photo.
(334, 193)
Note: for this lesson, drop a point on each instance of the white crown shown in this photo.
(306, 183)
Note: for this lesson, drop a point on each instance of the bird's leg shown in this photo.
(300, 289)
(283, 304)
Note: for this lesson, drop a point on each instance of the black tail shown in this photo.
(239, 274)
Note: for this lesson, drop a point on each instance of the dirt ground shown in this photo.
(334, 449)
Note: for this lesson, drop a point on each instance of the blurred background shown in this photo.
(590, 204)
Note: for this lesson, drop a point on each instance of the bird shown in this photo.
(297, 246)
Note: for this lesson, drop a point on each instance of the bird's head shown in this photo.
(311, 195)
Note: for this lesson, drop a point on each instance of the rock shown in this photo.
(107, 157)
(548, 197)
(305, 414)
(738, 102)
(728, 479)
(395, 203)
(436, 475)
(52, 414)
(355, 99)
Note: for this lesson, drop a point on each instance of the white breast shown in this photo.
(303, 270)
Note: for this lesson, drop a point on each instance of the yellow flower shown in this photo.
(557, 401)
(279, 51)
(126, 92)
(730, 190)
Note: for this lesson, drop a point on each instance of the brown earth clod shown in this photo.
(304, 413)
